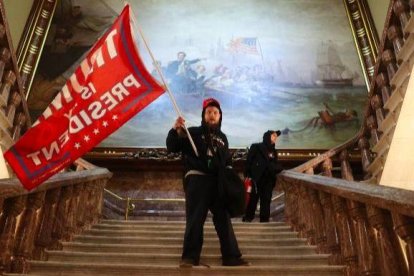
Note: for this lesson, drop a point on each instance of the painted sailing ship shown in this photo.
(331, 72)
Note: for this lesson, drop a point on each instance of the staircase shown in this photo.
(115, 247)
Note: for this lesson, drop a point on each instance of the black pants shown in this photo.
(201, 195)
(264, 193)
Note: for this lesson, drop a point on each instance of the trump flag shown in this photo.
(109, 87)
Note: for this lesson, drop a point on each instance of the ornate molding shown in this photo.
(365, 36)
(33, 40)
(161, 154)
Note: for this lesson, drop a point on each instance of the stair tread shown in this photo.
(154, 248)
(122, 265)
(138, 238)
(172, 222)
(182, 226)
(167, 255)
(180, 246)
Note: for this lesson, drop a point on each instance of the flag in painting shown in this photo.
(246, 45)
(109, 87)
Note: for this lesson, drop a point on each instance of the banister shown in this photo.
(384, 197)
(11, 187)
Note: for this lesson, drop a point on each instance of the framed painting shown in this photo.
(291, 65)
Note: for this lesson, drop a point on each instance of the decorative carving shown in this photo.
(25, 233)
(327, 167)
(60, 221)
(387, 241)
(368, 265)
(331, 231)
(6, 85)
(308, 223)
(394, 34)
(4, 59)
(2, 31)
(19, 123)
(346, 170)
(382, 83)
(377, 105)
(11, 109)
(318, 221)
(365, 154)
(70, 230)
(13, 207)
(346, 238)
(401, 9)
(44, 236)
(373, 129)
(80, 216)
(404, 226)
(389, 62)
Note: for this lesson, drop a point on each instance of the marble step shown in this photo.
(82, 269)
(178, 240)
(262, 227)
(172, 259)
(210, 233)
(175, 223)
(177, 249)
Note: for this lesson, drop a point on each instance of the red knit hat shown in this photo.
(211, 102)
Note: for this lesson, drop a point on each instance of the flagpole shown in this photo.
(162, 78)
(261, 54)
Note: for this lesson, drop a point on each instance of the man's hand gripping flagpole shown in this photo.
(159, 71)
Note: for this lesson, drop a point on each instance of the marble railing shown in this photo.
(32, 222)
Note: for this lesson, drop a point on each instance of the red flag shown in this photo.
(108, 88)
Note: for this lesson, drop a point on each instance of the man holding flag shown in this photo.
(108, 88)
(201, 184)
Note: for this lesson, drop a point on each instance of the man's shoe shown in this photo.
(235, 262)
(187, 263)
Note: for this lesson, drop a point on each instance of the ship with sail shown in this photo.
(331, 72)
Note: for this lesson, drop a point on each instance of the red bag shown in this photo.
(248, 188)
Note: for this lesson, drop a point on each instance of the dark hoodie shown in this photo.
(261, 162)
(207, 140)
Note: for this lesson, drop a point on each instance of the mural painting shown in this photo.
(273, 64)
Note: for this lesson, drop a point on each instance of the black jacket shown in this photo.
(261, 163)
(204, 163)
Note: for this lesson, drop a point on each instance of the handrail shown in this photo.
(64, 205)
(11, 187)
(330, 153)
(384, 197)
(352, 221)
(114, 195)
(369, 228)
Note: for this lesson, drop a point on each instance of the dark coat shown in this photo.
(203, 163)
(260, 162)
